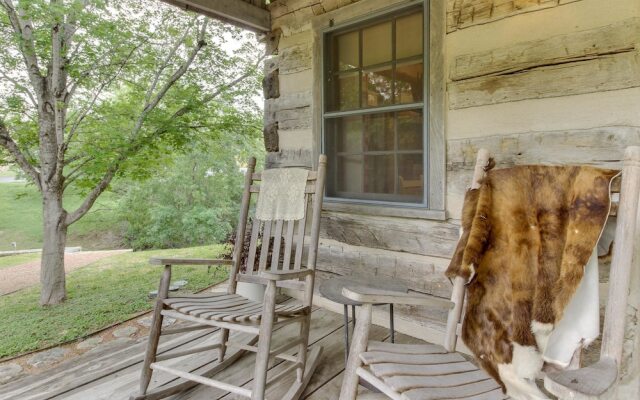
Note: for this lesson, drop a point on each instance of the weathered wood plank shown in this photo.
(295, 58)
(294, 118)
(380, 296)
(420, 273)
(402, 383)
(324, 323)
(608, 72)
(405, 348)
(391, 369)
(277, 240)
(63, 380)
(418, 237)
(239, 13)
(465, 13)
(623, 252)
(266, 244)
(330, 390)
(331, 360)
(281, 8)
(375, 357)
(432, 319)
(601, 147)
(123, 383)
(300, 239)
(289, 101)
(621, 36)
(288, 241)
(289, 158)
(466, 391)
(437, 104)
(271, 84)
(253, 245)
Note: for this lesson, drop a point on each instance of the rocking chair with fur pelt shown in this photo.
(423, 372)
(274, 265)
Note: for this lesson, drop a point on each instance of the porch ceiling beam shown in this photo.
(236, 12)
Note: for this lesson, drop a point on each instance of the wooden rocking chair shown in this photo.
(278, 241)
(422, 372)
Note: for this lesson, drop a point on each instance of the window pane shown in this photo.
(349, 177)
(378, 132)
(347, 91)
(376, 44)
(377, 87)
(349, 133)
(347, 51)
(411, 176)
(379, 174)
(410, 130)
(409, 36)
(409, 86)
(374, 154)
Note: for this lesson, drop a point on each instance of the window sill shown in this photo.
(383, 211)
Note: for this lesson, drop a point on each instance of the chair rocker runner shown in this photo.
(275, 260)
(423, 372)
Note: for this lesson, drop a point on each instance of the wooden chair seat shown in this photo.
(229, 307)
(424, 372)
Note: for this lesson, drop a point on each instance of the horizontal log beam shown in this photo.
(236, 12)
(561, 49)
(465, 13)
(608, 72)
(425, 237)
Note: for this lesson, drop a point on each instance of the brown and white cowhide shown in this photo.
(527, 233)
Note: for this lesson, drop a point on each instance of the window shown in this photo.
(374, 111)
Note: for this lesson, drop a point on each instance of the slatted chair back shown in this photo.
(277, 245)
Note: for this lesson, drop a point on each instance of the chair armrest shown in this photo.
(378, 296)
(285, 275)
(591, 381)
(189, 261)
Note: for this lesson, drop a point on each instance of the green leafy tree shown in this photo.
(92, 91)
(193, 200)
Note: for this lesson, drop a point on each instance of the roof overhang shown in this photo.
(237, 12)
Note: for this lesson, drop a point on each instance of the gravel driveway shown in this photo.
(28, 274)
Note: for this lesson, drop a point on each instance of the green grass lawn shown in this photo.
(12, 261)
(105, 292)
(6, 173)
(21, 220)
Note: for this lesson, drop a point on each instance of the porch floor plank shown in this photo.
(113, 375)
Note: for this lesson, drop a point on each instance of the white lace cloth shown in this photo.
(282, 194)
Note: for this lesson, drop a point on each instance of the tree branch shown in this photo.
(104, 85)
(183, 110)
(73, 175)
(20, 87)
(164, 65)
(150, 105)
(8, 143)
(73, 159)
(138, 141)
(23, 28)
(60, 32)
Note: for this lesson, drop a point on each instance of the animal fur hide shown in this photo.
(528, 232)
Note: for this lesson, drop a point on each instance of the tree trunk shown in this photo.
(52, 275)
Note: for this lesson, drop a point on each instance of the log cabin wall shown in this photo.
(534, 81)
